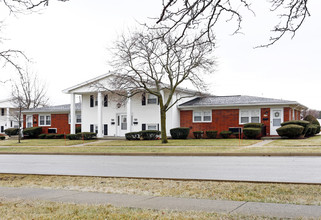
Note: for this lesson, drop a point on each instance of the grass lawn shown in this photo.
(20, 209)
(43, 142)
(187, 142)
(255, 192)
(312, 141)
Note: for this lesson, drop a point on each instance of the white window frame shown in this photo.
(150, 125)
(202, 114)
(69, 119)
(151, 97)
(250, 112)
(45, 120)
(29, 121)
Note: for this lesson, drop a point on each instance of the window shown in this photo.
(152, 127)
(202, 116)
(249, 116)
(152, 99)
(2, 129)
(52, 130)
(29, 121)
(2, 112)
(44, 120)
(78, 119)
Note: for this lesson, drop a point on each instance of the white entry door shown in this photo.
(276, 120)
(121, 124)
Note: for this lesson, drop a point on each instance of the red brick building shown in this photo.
(52, 119)
(221, 113)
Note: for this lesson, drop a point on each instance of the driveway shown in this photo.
(265, 169)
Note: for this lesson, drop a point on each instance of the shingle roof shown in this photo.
(56, 108)
(237, 100)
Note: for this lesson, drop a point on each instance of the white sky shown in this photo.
(68, 45)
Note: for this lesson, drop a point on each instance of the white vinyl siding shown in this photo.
(202, 116)
(249, 116)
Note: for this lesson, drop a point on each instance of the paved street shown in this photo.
(271, 169)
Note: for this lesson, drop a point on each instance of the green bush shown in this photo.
(290, 131)
(42, 136)
(225, 134)
(198, 134)
(311, 130)
(149, 134)
(132, 136)
(302, 123)
(59, 136)
(73, 136)
(211, 134)
(11, 131)
(179, 133)
(2, 137)
(32, 132)
(87, 135)
(253, 125)
(252, 132)
(50, 136)
(313, 121)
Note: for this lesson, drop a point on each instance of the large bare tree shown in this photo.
(204, 15)
(150, 62)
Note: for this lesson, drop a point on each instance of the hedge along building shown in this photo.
(109, 114)
(52, 119)
(221, 113)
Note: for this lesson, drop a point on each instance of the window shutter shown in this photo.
(158, 127)
(143, 127)
(144, 98)
(91, 128)
(105, 100)
(91, 101)
(118, 120)
(105, 129)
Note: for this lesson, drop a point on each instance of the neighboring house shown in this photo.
(223, 112)
(52, 119)
(108, 115)
(7, 116)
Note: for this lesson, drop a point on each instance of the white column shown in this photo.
(129, 114)
(8, 118)
(99, 119)
(72, 114)
(293, 114)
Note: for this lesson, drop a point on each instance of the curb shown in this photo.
(177, 154)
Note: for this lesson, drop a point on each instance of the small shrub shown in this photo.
(132, 136)
(290, 131)
(32, 132)
(2, 137)
(73, 136)
(253, 125)
(50, 136)
(298, 122)
(225, 134)
(198, 134)
(87, 135)
(313, 121)
(149, 134)
(11, 131)
(311, 130)
(42, 136)
(252, 132)
(211, 134)
(59, 136)
(179, 133)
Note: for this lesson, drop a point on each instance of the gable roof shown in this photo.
(54, 109)
(236, 100)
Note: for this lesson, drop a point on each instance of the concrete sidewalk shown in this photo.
(171, 203)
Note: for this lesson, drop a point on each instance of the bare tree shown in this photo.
(313, 112)
(154, 63)
(204, 15)
(27, 92)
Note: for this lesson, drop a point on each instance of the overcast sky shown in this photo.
(68, 43)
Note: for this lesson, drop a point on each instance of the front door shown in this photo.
(276, 120)
(121, 125)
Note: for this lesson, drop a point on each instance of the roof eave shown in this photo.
(241, 105)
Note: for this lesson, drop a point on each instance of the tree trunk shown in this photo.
(163, 126)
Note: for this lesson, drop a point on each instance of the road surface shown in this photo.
(266, 169)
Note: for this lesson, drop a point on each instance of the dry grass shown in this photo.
(20, 209)
(282, 149)
(312, 141)
(256, 192)
(43, 142)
